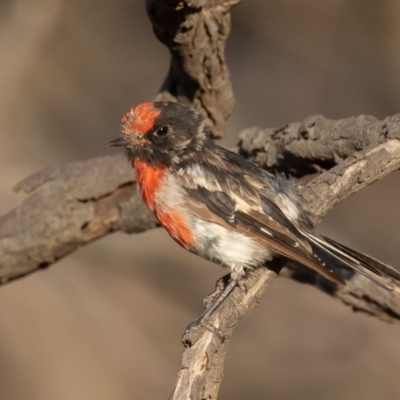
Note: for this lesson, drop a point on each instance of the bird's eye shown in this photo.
(162, 131)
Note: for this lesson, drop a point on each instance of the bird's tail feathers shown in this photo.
(376, 271)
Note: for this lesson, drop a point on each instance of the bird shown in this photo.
(220, 206)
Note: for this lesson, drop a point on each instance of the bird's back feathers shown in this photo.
(241, 199)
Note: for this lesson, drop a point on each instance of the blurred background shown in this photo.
(105, 323)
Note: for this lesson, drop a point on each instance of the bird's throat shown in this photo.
(149, 177)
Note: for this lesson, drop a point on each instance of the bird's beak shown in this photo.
(128, 141)
(121, 141)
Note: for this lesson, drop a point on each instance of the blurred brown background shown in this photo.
(105, 323)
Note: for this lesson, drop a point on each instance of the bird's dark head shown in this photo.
(161, 132)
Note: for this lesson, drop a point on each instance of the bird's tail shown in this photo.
(328, 250)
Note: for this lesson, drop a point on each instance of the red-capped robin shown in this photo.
(218, 205)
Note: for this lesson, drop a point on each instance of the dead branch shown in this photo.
(69, 206)
(359, 293)
(195, 32)
(356, 172)
(316, 144)
(202, 363)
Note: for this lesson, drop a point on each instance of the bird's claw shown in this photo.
(195, 329)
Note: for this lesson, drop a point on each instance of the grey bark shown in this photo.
(195, 32)
(316, 144)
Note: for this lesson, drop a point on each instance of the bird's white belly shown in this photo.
(227, 247)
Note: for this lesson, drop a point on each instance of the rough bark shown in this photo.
(195, 35)
(359, 293)
(71, 205)
(202, 364)
(354, 173)
(316, 144)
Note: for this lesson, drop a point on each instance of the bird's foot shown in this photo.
(196, 329)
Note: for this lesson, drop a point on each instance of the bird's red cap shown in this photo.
(140, 119)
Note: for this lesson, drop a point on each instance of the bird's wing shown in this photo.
(274, 230)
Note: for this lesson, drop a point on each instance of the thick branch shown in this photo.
(359, 170)
(360, 293)
(68, 207)
(315, 144)
(195, 33)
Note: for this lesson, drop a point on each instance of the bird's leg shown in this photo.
(234, 280)
(202, 320)
(214, 306)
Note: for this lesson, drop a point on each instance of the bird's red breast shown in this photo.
(177, 226)
(150, 179)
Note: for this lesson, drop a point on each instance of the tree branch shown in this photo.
(359, 293)
(195, 32)
(69, 206)
(353, 174)
(202, 364)
(316, 144)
